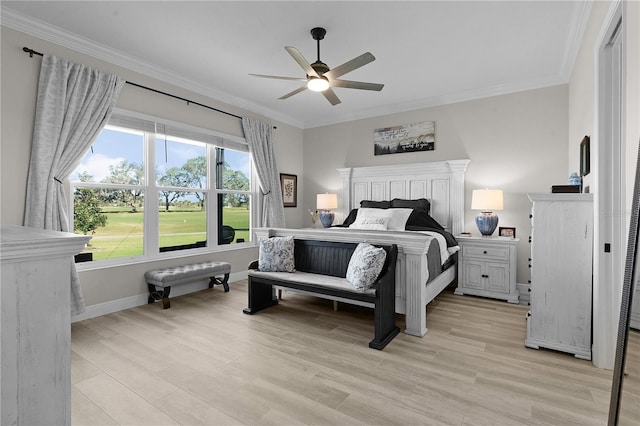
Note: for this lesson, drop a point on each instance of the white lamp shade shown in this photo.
(327, 201)
(487, 200)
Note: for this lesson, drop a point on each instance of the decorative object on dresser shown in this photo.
(487, 267)
(325, 203)
(561, 273)
(565, 189)
(576, 180)
(506, 231)
(487, 200)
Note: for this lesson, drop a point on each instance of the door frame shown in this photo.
(610, 202)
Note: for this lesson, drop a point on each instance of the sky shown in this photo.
(113, 146)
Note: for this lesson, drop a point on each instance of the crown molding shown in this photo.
(50, 33)
(578, 26)
(445, 99)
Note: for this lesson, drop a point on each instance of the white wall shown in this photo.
(19, 79)
(516, 142)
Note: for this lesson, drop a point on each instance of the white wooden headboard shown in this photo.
(441, 182)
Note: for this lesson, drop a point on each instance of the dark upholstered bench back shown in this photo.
(327, 257)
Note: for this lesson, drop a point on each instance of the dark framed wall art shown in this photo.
(289, 185)
(585, 156)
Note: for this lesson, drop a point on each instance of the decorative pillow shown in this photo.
(365, 265)
(397, 217)
(375, 204)
(276, 255)
(419, 204)
(351, 218)
(420, 219)
(366, 222)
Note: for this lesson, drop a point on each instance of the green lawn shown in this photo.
(123, 234)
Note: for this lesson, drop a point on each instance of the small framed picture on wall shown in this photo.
(289, 185)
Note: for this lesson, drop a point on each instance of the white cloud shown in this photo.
(97, 165)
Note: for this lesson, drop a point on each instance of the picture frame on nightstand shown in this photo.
(506, 231)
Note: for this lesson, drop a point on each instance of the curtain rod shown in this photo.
(32, 52)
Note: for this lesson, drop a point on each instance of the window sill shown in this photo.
(178, 254)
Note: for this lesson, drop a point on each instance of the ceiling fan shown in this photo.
(320, 78)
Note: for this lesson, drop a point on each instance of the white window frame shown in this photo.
(153, 126)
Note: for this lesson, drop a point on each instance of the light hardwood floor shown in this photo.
(205, 362)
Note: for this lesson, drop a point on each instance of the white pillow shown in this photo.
(276, 255)
(366, 222)
(365, 265)
(397, 217)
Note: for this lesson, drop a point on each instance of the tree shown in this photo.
(176, 177)
(235, 179)
(87, 215)
(126, 173)
(195, 170)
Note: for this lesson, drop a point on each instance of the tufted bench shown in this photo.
(167, 277)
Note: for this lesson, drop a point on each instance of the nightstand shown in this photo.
(487, 267)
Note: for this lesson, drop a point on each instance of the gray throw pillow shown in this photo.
(276, 255)
(365, 266)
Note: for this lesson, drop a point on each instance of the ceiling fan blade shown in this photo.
(351, 65)
(295, 92)
(331, 96)
(279, 77)
(306, 66)
(357, 85)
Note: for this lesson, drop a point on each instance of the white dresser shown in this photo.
(35, 374)
(487, 267)
(561, 273)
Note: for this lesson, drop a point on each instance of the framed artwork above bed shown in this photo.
(406, 138)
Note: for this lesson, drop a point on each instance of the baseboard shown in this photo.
(141, 299)
(523, 290)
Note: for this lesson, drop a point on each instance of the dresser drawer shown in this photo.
(486, 252)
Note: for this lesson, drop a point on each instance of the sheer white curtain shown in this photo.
(260, 141)
(74, 103)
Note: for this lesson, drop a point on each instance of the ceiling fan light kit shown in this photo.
(321, 78)
(318, 84)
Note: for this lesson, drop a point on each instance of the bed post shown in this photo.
(345, 175)
(456, 190)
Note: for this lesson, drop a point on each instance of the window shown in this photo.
(146, 188)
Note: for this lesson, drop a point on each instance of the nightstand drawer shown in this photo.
(486, 252)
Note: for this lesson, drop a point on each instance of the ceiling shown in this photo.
(427, 52)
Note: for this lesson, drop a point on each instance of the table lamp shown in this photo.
(487, 201)
(325, 203)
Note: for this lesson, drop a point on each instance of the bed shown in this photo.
(442, 184)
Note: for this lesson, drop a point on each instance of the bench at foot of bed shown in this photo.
(160, 281)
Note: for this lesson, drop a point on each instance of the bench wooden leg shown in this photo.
(261, 296)
(220, 281)
(385, 318)
(155, 295)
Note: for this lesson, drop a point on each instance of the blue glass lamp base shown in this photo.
(326, 217)
(487, 223)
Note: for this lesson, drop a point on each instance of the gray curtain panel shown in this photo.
(260, 141)
(73, 105)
